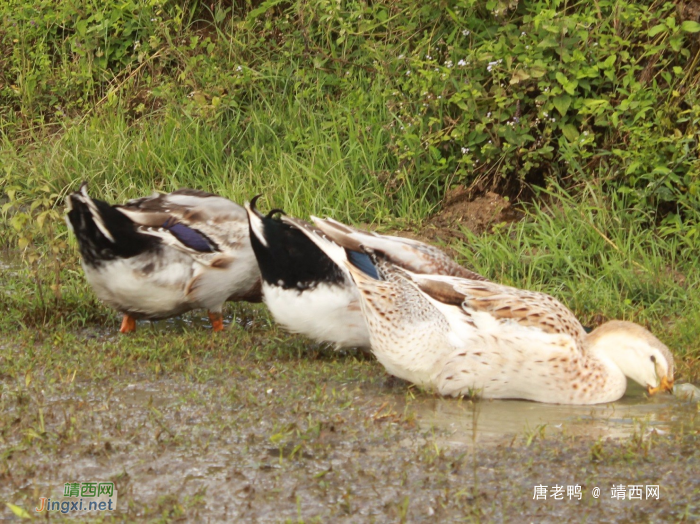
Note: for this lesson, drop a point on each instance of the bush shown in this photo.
(490, 94)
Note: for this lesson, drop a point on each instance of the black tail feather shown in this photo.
(103, 232)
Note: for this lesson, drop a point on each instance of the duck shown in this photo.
(463, 337)
(162, 255)
(306, 292)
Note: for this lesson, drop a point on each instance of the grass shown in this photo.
(288, 431)
(261, 426)
(331, 121)
(600, 258)
(593, 251)
(291, 153)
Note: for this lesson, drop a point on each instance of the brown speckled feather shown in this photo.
(527, 308)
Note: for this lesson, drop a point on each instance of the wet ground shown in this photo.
(252, 426)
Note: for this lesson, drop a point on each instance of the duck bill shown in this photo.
(664, 385)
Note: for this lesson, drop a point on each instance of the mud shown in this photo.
(477, 214)
(276, 441)
(254, 425)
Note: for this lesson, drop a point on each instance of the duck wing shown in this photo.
(199, 223)
(493, 306)
(413, 255)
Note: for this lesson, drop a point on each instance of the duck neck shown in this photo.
(614, 379)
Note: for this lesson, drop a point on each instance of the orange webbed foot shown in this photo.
(128, 324)
(217, 321)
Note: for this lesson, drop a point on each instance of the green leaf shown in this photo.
(81, 26)
(610, 61)
(690, 26)
(571, 87)
(263, 8)
(657, 29)
(20, 512)
(562, 103)
(633, 167)
(548, 42)
(538, 71)
(518, 76)
(570, 132)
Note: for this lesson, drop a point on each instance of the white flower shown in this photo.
(400, 57)
(462, 63)
(466, 32)
(465, 150)
(408, 73)
(239, 68)
(448, 64)
(428, 57)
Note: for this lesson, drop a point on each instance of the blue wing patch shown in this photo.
(190, 237)
(363, 262)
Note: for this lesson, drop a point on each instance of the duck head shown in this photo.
(639, 354)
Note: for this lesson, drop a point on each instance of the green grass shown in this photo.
(349, 111)
(600, 258)
(592, 252)
(300, 159)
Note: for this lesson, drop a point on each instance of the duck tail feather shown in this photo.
(82, 197)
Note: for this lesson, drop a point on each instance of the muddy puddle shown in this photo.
(258, 447)
(502, 419)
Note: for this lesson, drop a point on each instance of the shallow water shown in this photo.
(499, 419)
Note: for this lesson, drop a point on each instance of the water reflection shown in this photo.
(501, 419)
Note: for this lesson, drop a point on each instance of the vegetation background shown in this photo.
(549, 144)
(584, 115)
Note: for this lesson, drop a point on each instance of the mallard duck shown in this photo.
(163, 255)
(459, 336)
(307, 293)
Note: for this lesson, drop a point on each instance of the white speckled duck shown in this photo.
(163, 255)
(460, 336)
(306, 292)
